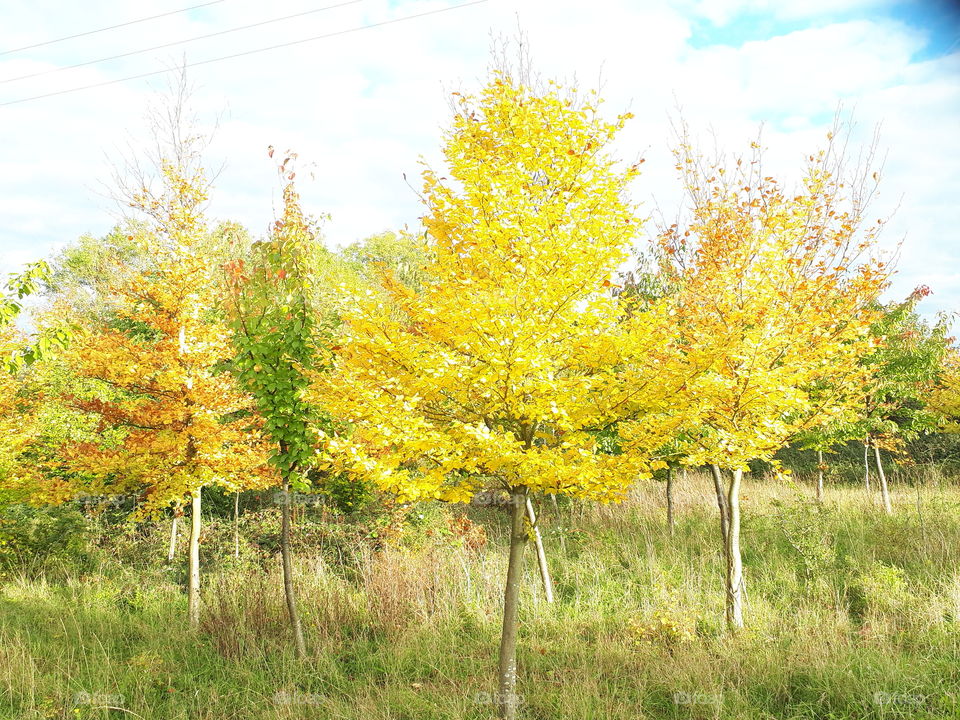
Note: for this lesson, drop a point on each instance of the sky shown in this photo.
(365, 101)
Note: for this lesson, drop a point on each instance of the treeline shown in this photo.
(500, 349)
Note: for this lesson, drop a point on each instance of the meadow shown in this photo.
(850, 613)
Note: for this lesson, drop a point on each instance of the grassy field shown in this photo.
(850, 614)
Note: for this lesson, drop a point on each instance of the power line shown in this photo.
(247, 52)
(178, 42)
(110, 27)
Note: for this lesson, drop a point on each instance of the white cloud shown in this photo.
(365, 106)
(721, 12)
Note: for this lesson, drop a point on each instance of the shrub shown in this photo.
(884, 589)
(32, 536)
(804, 524)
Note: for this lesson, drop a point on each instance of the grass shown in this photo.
(851, 614)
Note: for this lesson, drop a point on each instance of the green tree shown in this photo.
(904, 370)
(275, 331)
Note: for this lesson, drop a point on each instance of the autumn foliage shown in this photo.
(778, 288)
(496, 352)
(513, 355)
(156, 361)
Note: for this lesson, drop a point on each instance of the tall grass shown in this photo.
(868, 628)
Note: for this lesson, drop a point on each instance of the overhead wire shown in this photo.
(178, 42)
(246, 52)
(110, 27)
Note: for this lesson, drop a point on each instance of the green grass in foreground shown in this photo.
(850, 614)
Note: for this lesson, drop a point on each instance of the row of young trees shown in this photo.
(495, 351)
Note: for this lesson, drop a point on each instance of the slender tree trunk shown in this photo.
(560, 521)
(300, 644)
(718, 486)
(670, 500)
(884, 490)
(866, 463)
(734, 560)
(541, 555)
(196, 519)
(172, 548)
(819, 476)
(507, 699)
(923, 527)
(236, 526)
(193, 585)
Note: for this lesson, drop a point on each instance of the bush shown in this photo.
(804, 524)
(879, 596)
(32, 536)
(343, 494)
(883, 589)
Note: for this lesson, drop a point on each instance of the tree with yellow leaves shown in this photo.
(513, 353)
(779, 287)
(20, 388)
(155, 360)
(13, 437)
(945, 398)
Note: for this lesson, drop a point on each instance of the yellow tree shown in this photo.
(513, 352)
(945, 399)
(21, 390)
(157, 357)
(16, 426)
(778, 287)
(28, 419)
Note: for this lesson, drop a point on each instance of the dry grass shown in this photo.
(410, 631)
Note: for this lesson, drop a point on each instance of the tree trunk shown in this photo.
(670, 500)
(819, 476)
(541, 555)
(560, 521)
(507, 699)
(734, 561)
(299, 642)
(866, 463)
(884, 491)
(193, 585)
(718, 486)
(172, 548)
(236, 526)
